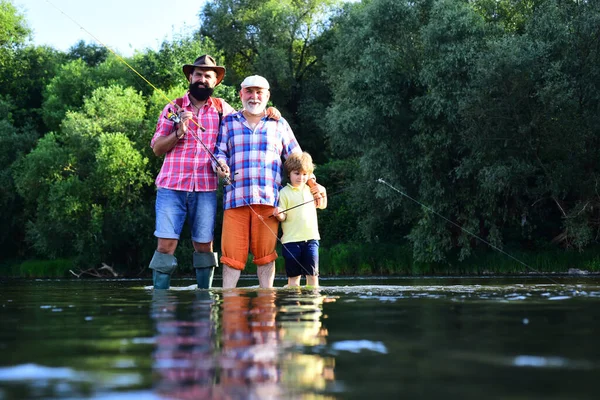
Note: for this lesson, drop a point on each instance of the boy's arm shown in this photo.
(277, 213)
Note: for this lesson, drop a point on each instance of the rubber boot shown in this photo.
(163, 266)
(204, 264)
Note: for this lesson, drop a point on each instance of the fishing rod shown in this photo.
(380, 180)
(174, 117)
(310, 201)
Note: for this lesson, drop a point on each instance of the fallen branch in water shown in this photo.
(98, 273)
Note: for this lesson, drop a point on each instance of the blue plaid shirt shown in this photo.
(254, 158)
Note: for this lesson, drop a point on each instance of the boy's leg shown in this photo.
(294, 281)
(311, 262)
(293, 270)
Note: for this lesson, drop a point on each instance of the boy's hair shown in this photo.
(299, 162)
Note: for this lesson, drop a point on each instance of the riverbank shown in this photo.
(355, 260)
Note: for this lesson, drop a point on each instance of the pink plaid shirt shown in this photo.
(188, 166)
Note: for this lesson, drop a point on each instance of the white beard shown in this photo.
(255, 108)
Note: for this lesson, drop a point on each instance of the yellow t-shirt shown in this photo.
(301, 222)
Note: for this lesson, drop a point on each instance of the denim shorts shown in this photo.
(172, 208)
(301, 258)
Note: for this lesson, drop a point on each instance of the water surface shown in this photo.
(463, 338)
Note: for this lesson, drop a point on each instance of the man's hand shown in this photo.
(185, 122)
(223, 170)
(273, 113)
(319, 193)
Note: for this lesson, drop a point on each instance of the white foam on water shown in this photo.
(139, 395)
(531, 361)
(517, 292)
(34, 372)
(356, 346)
(559, 298)
(539, 362)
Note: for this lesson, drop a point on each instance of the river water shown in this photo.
(427, 338)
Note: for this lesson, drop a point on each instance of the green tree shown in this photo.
(76, 80)
(91, 54)
(512, 15)
(14, 143)
(85, 186)
(31, 68)
(370, 116)
(13, 28)
(163, 68)
(454, 37)
(283, 41)
(530, 93)
(24, 69)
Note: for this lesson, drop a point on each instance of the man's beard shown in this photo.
(199, 91)
(254, 109)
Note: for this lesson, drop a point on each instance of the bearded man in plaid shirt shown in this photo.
(187, 184)
(249, 151)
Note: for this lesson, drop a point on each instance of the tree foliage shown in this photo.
(91, 54)
(443, 125)
(283, 41)
(13, 27)
(86, 184)
(498, 87)
(370, 115)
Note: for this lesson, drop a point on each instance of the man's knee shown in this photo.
(203, 247)
(166, 246)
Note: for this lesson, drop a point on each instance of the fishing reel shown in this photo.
(173, 117)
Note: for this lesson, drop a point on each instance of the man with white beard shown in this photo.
(249, 149)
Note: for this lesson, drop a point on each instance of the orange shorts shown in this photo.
(242, 228)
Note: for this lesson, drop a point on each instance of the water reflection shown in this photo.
(239, 344)
(184, 358)
(300, 327)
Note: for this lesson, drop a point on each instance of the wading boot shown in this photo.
(204, 264)
(162, 266)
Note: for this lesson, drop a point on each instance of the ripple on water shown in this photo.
(356, 346)
(506, 293)
(549, 362)
(27, 372)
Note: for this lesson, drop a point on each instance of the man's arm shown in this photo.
(319, 193)
(221, 151)
(164, 144)
(166, 137)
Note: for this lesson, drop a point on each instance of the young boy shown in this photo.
(300, 229)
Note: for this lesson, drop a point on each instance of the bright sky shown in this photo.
(122, 25)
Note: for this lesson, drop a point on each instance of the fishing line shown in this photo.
(121, 59)
(380, 180)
